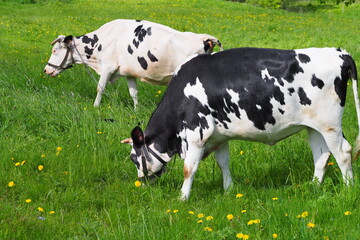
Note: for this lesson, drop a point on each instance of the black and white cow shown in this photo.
(262, 95)
(129, 48)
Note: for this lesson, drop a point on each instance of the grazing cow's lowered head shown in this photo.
(61, 57)
(149, 162)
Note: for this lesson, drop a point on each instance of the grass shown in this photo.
(89, 184)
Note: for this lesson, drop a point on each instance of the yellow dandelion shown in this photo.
(251, 222)
(40, 209)
(241, 152)
(200, 221)
(59, 149)
(230, 217)
(240, 235)
(274, 235)
(239, 195)
(168, 210)
(137, 183)
(99, 132)
(311, 225)
(208, 229)
(17, 164)
(175, 211)
(330, 164)
(159, 92)
(11, 184)
(40, 167)
(347, 213)
(275, 198)
(191, 212)
(28, 200)
(52, 212)
(245, 236)
(200, 215)
(43, 155)
(23, 162)
(304, 214)
(209, 218)
(243, 211)
(257, 221)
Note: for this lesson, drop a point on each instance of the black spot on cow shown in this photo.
(281, 111)
(140, 34)
(339, 49)
(130, 50)
(86, 39)
(316, 82)
(340, 89)
(304, 58)
(348, 70)
(142, 62)
(138, 20)
(291, 91)
(100, 48)
(88, 51)
(304, 100)
(136, 43)
(152, 57)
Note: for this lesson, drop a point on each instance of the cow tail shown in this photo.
(354, 78)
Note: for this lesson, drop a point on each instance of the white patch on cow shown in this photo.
(235, 97)
(197, 91)
(265, 73)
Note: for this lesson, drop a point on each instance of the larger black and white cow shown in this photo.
(262, 95)
(129, 48)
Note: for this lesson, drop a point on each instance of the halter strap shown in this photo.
(61, 66)
(147, 158)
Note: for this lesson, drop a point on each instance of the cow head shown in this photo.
(210, 43)
(61, 57)
(149, 164)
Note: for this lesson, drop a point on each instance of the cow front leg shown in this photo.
(101, 86)
(222, 157)
(191, 163)
(132, 85)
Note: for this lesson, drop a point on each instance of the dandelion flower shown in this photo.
(230, 217)
(275, 198)
(311, 225)
(200, 221)
(137, 183)
(241, 152)
(168, 210)
(28, 200)
(274, 235)
(209, 218)
(239, 195)
(200, 215)
(240, 235)
(245, 236)
(40, 209)
(159, 92)
(208, 229)
(40, 167)
(257, 221)
(191, 212)
(23, 162)
(42, 155)
(330, 164)
(347, 213)
(251, 222)
(175, 211)
(17, 164)
(243, 211)
(304, 214)
(52, 212)
(11, 184)
(59, 149)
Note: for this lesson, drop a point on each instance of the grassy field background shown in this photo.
(65, 175)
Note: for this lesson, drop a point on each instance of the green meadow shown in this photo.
(65, 175)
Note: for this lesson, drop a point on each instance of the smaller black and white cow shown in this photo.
(129, 48)
(262, 95)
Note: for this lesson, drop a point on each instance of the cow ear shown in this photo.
(127, 141)
(58, 39)
(68, 39)
(137, 136)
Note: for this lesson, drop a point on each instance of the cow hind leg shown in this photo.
(132, 85)
(321, 153)
(341, 150)
(222, 158)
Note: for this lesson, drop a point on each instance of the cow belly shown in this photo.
(245, 130)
